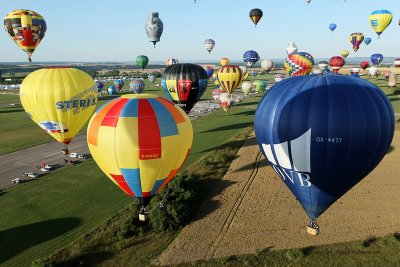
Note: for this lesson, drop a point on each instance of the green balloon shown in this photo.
(142, 61)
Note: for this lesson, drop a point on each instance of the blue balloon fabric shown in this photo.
(367, 41)
(322, 134)
(332, 26)
(250, 58)
(376, 59)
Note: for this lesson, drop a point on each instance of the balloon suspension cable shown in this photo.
(29, 58)
(160, 204)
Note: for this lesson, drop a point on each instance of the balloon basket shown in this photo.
(143, 217)
(313, 228)
(65, 151)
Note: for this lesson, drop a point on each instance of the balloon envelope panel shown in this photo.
(323, 134)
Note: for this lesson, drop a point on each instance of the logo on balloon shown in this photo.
(79, 102)
(288, 159)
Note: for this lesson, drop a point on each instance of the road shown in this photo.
(14, 164)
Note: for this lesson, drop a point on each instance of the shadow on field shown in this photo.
(2, 193)
(215, 187)
(246, 104)
(249, 113)
(18, 239)
(390, 149)
(88, 259)
(11, 110)
(251, 165)
(230, 127)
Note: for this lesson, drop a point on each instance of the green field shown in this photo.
(41, 217)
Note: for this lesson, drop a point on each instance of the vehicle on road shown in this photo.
(74, 155)
(16, 180)
(44, 169)
(31, 174)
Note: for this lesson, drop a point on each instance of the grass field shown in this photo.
(44, 216)
(83, 198)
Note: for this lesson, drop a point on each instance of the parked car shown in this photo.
(16, 180)
(33, 175)
(74, 155)
(44, 169)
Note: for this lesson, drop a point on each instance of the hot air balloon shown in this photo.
(112, 90)
(319, 144)
(140, 142)
(119, 84)
(244, 69)
(279, 77)
(396, 62)
(356, 39)
(254, 73)
(373, 71)
(229, 76)
(209, 71)
(225, 101)
(215, 94)
(259, 85)
(171, 61)
(317, 71)
(26, 28)
(154, 28)
(60, 100)
(142, 61)
(376, 59)
(323, 65)
(367, 41)
(255, 15)
(336, 63)
(184, 84)
(250, 58)
(354, 71)
(224, 61)
(332, 26)
(152, 78)
(299, 63)
(209, 44)
(292, 48)
(267, 65)
(380, 20)
(99, 86)
(246, 87)
(364, 65)
(137, 86)
(344, 53)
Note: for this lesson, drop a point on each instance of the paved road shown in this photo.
(14, 164)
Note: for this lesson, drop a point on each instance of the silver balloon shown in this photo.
(154, 28)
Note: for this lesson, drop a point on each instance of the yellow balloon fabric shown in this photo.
(344, 53)
(224, 61)
(380, 20)
(229, 76)
(140, 142)
(60, 100)
(26, 28)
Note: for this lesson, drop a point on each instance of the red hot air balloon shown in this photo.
(364, 64)
(336, 63)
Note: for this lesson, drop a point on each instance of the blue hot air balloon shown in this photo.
(112, 90)
(367, 40)
(209, 70)
(254, 73)
(250, 57)
(99, 86)
(376, 59)
(322, 134)
(332, 26)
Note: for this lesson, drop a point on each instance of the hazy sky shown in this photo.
(113, 30)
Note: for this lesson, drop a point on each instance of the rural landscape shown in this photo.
(239, 160)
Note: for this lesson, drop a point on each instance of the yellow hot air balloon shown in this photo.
(140, 142)
(229, 76)
(223, 61)
(60, 100)
(344, 53)
(27, 29)
(380, 20)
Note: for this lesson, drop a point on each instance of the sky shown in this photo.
(113, 30)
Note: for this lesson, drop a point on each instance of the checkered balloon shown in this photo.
(299, 63)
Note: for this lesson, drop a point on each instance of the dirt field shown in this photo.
(256, 211)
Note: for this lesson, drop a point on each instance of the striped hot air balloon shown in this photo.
(299, 63)
(229, 76)
(140, 142)
(380, 20)
(137, 86)
(255, 15)
(171, 61)
(224, 61)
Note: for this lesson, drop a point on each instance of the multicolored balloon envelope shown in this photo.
(140, 142)
(255, 15)
(60, 100)
(27, 29)
(323, 134)
(119, 84)
(209, 71)
(171, 61)
(224, 61)
(137, 86)
(112, 90)
(380, 20)
(356, 39)
(298, 63)
(100, 86)
(184, 84)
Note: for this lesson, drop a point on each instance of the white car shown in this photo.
(44, 169)
(74, 155)
(16, 180)
(33, 175)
